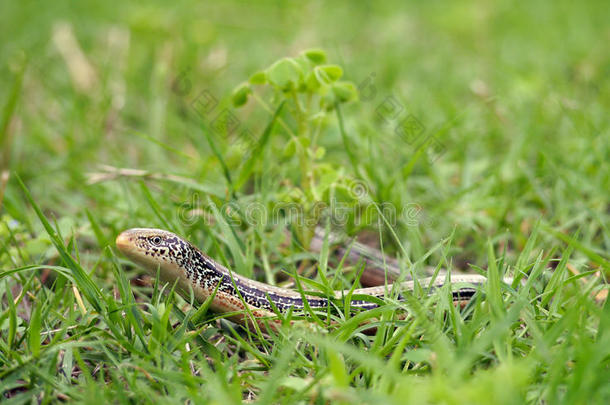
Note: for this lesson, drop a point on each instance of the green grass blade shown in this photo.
(82, 279)
(257, 152)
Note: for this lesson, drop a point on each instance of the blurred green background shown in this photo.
(516, 96)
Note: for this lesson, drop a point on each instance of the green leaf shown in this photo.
(34, 330)
(240, 94)
(320, 152)
(312, 82)
(344, 91)
(304, 64)
(336, 364)
(494, 294)
(12, 330)
(285, 74)
(326, 74)
(316, 56)
(328, 101)
(305, 141)
(259, 77)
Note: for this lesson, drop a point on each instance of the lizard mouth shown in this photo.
(123, 241)
(126, 243)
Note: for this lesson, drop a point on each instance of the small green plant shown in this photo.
(312, 90)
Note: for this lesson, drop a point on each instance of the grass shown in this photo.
(500, 167)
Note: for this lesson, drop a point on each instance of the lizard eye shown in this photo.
(156, 240)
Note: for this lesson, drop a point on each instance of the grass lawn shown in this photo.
(470, 136)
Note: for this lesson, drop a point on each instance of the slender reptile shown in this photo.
(176, 259)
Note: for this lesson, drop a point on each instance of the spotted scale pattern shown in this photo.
(157, 246)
